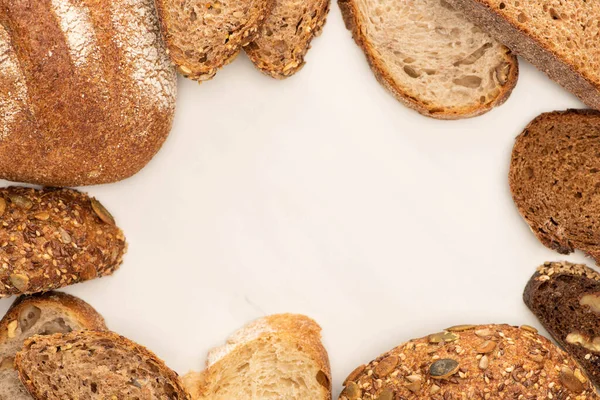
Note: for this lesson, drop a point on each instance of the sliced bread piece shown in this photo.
(94, 365)
(555, 180)
(44, 314)
(472, 362)
(431, 57)
(565, 298)
(203, 36)
(558, 37)
(285, 37)
(273, 358)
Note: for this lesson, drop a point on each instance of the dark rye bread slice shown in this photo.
(492, 362)
(555, 180)
(203, 36)
(94, 365)
(44, 314)
(51, 238)
(565, 298)
(285, 37)
(558, 37)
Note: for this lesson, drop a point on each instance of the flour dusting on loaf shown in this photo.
(139, 37)
(250, 332)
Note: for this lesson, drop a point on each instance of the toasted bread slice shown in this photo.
(202, 37)
(285, 37)
(555, 180)
(277, 357)
(43, 314)
(565, 298)
(94, 365)
(558, 37)
(431, 57)
(470, 362)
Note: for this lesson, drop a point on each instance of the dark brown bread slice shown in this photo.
(203, 36)
(94, 365)
(472, 362)
(565, 298)
(285, 37)
(51, 238)
(558, 37)
(42, 314)
(555, 180)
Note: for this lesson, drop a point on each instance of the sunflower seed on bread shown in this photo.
(42, 314)
(94, 365)
(276, 357)
(522, 365)
(51, 238)
(431, 57)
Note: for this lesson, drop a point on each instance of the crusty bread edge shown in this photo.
(280, 74)
(111, 336)
(353, 23)
(531, 49)
(294, 328)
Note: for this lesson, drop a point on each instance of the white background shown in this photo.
(321, 195)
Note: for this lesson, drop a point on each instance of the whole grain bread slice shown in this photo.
(285, 37)
(202, 37)
(276, 357)
(565, 298)
(558, 37)
(472, 362)
(44, 314)
(94, 365)
(555, 180)
(431, 57)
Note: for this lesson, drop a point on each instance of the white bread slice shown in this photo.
(431, 57)
(273, 358)
(44, 314)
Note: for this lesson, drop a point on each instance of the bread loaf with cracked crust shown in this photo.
(94, 365)
(472, 362)
(51, 238)
(430, 57)
(565, 298)
(272, 358)
(87, 91)
(558, 37)
(42, 314)
(555, 180)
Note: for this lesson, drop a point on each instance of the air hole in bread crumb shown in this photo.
(502, 6)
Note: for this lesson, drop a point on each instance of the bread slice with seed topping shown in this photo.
(94, 365)
(285, 37)
(487, 361)
(202, 37)
(431, 57)
(555, 180)
(565, 298)
(276, 357)
(44, 314)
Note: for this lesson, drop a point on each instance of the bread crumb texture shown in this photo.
(472, 362)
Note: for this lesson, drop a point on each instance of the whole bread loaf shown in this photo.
(558, 37)
(44, 314)
(51, 238)
(565, 298)
(472, 362)
(87, 92)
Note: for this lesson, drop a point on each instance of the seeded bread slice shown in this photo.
(273, 358)
(202, 37)
(472, 362)
(285, 37)
(555, 180)
(558, 37)
(94, 365)
(431, 57)
(44, 314)
(565, 298)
